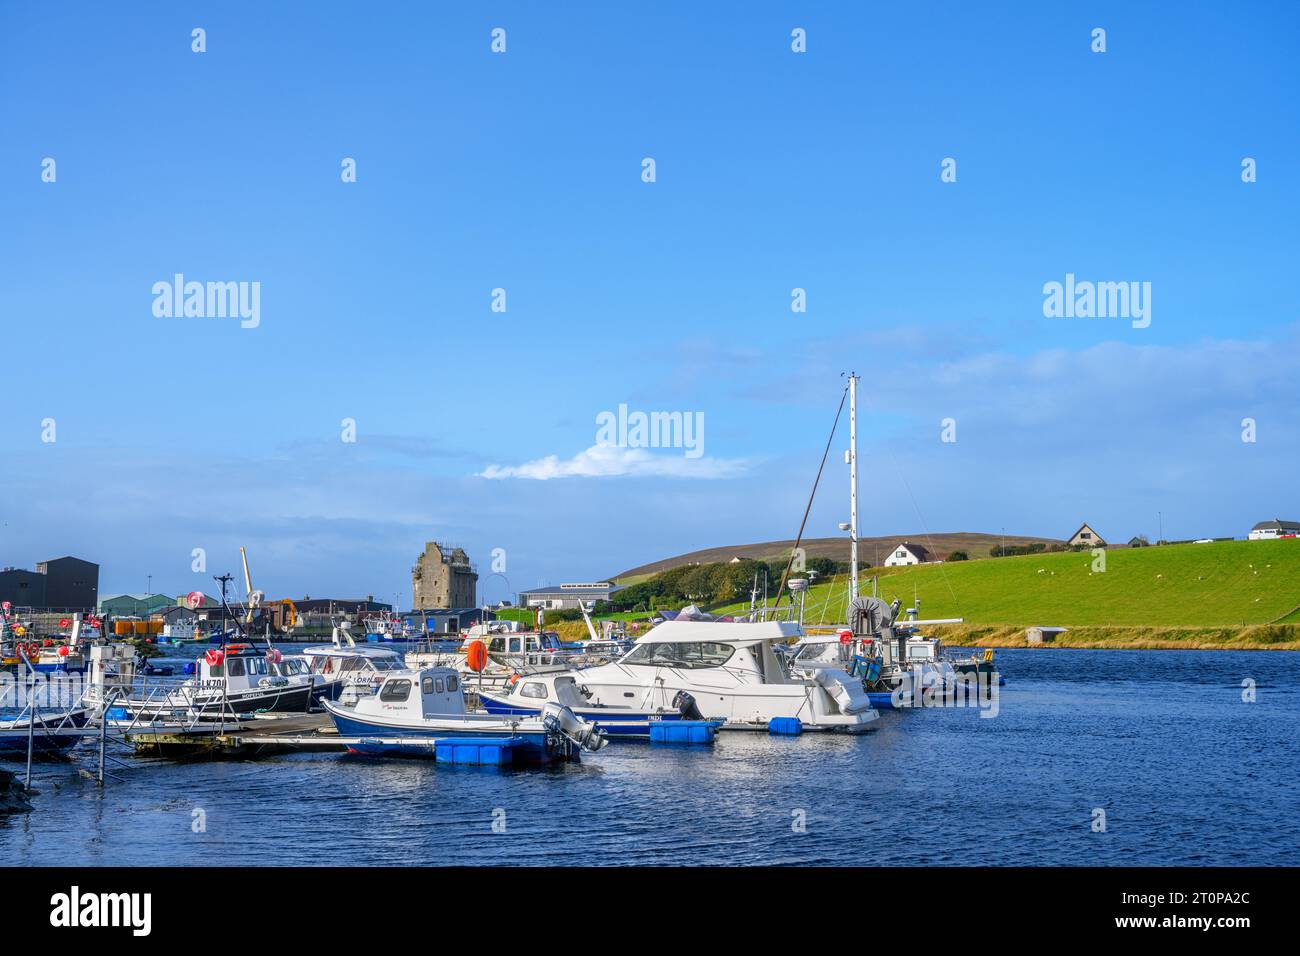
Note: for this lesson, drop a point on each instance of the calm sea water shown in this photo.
(1161, 741)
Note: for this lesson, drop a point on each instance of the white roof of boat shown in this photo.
(329, 650)
(727, 632)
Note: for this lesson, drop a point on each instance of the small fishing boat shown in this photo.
(236, 679)
(49, 733)
(65, 653)
(388, 629)
(415, 708)
(529, 695)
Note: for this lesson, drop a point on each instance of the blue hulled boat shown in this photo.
(415, 710)
(52, 734)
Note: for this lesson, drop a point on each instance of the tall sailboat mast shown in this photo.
(853, 485)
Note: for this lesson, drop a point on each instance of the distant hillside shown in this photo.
(871, 550)
(1224, 584)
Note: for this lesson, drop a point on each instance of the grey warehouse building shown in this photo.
(562, 596)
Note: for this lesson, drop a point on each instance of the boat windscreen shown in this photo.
(688, 654)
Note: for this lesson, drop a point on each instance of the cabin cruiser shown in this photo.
(342, 670)
(733, 672)
(414, 708)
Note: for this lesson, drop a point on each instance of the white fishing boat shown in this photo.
(734, 673)
(230, 680)
(509, 652)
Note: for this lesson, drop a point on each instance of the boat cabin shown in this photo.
(534, 690)
(239, 667)
(416, 694)
(745, 652)
(519, 642)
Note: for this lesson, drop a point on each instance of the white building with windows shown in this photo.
(907, 553)
(1277, 528)
(567, 595)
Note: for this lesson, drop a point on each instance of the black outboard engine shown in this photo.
(685, 705)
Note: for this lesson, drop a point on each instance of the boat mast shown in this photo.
(853, 486)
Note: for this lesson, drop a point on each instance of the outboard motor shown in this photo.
(559, 719)
(685, 705)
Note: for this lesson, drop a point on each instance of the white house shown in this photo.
(907, 553)
(1085, 537)
(1277, 528)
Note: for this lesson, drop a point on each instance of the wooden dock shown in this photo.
(245, 739)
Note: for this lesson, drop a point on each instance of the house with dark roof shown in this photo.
(1085, 537)
(908, 553)
(1276, 528)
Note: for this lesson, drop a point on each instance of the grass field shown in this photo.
(1223, 584)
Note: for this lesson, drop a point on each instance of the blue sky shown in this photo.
(522, 171)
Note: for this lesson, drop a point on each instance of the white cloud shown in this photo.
(612, 461)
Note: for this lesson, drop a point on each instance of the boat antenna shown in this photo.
(785, 575)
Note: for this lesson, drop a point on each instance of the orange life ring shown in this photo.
(476, 655)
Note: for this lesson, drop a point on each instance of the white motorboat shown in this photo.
(344, 670)
(733, 672)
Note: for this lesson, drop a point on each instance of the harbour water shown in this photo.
(1160, 742)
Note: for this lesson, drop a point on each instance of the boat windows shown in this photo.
(236, 665)
(385, 664)
(688, 654)
(395, 691)
(452, 684)
(256, 666)
(426, 685)
(441, 687)
(534, 688)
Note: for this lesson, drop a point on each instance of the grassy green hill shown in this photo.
(1228, 583)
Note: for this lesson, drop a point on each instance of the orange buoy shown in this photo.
(476, 655)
